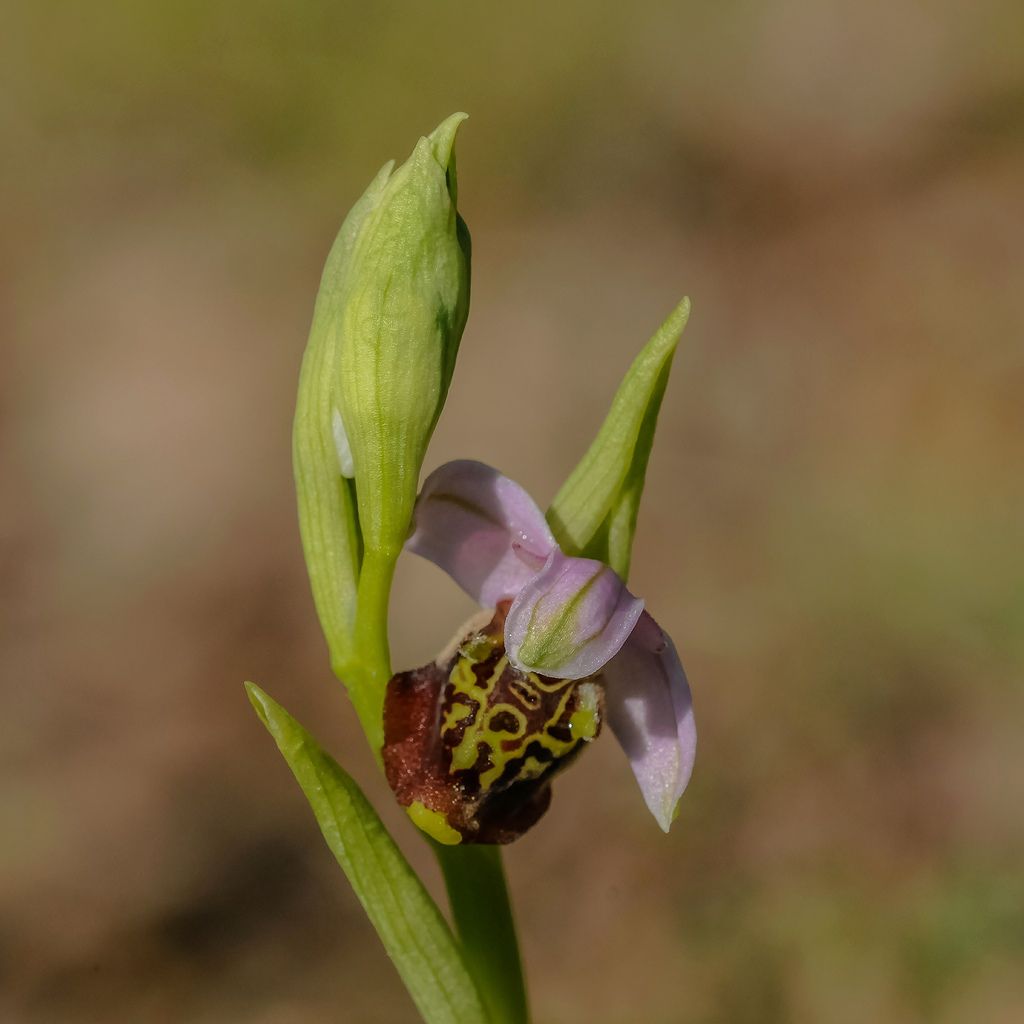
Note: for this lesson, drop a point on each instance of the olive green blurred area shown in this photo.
(832, 529)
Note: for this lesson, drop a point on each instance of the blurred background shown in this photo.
(832, 526)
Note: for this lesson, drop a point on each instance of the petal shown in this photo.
(570, 619)
(483, 529)
(651, 713)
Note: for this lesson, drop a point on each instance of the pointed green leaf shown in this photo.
(326, 498)
(414, 933)
(594, 514)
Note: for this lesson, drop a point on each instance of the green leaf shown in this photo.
(414, 933)
(326, 499)
(594, 514)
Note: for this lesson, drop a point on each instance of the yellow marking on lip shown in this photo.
(433, 823)
(472, 712)
(549, 685)
(583, 722)
(455, 714)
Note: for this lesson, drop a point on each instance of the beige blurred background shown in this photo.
(832, 526)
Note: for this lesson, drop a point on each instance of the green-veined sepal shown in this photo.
(594, 513)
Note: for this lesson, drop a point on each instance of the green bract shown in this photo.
(594, 514)
(386, 328)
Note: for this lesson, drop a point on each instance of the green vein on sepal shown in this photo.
(415, 935)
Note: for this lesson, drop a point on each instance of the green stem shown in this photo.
(373, 667)
(478, 894)
(473, 875)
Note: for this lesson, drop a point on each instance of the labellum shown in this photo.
(471, 743)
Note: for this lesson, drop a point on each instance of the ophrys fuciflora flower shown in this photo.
(473, 739)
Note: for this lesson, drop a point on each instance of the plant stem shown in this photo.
(371, 643)
(478, 894)
(473, 875)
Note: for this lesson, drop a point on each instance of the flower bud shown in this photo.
(403, 308)
(389, 316)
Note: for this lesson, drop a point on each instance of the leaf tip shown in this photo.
(261, 703)
(676, 321)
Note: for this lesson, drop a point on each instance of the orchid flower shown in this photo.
(568, 645)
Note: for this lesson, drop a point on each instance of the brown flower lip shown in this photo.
(471, 743)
